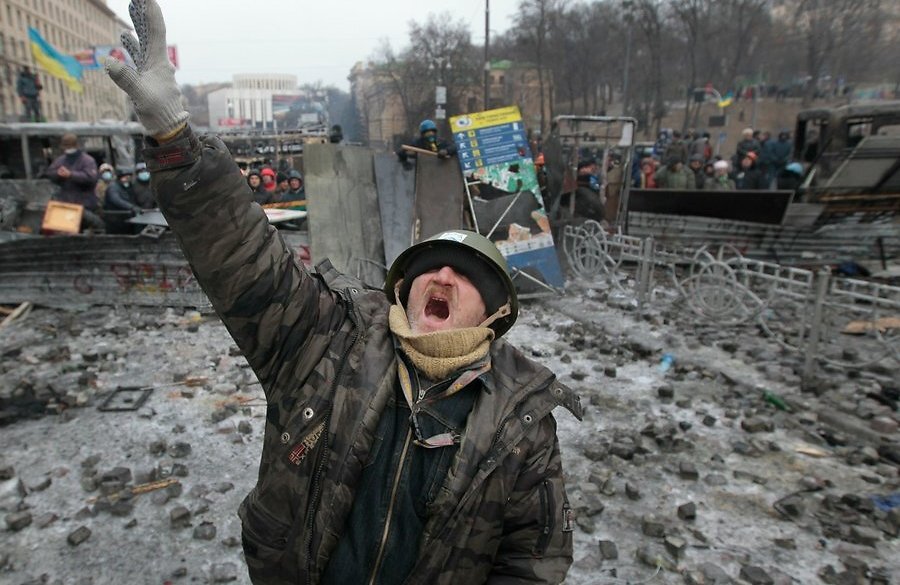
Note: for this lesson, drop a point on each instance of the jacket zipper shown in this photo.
(323, 455)
(396, 483)
(547, 506)
(390, 510)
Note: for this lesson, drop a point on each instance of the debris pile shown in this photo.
(131, 438)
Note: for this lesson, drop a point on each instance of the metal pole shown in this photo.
(812, 342)
(487, 61)
(26, 156)
(644, 274)
(627, 68)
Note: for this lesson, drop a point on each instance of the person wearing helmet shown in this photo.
(405, 441)
(790, 178)
(428, 140)
(295, 191)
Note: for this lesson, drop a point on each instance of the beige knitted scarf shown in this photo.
(440, 353)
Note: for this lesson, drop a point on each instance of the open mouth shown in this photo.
(437, 308)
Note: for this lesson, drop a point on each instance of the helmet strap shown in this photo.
(503, 311)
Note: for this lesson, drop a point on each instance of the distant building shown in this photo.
(380, 108)
(516, 83)
(266, 102)
(70, 26)
(383, 117)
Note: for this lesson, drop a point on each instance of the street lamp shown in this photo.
(440, 92)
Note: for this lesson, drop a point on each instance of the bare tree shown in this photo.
(442, 46)
(404, 78)
(534, 22)
(695, 17)
(744, 21)
(649, 17)
(827, 26)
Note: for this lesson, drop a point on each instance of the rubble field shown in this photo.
(130, 437)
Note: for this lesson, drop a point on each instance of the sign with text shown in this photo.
(492, 148)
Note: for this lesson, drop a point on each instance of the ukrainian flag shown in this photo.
(64, 67)
(727, 100)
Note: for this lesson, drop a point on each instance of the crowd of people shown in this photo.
(270, 186)
(760, 162)
(110, 196)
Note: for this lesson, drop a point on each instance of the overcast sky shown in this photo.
(315, 40)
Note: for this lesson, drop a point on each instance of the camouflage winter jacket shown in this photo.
(321, 347)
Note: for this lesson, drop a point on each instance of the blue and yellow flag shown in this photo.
(64, 67)
(727, 100)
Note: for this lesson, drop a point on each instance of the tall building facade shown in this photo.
(70, 26)
(378, 105)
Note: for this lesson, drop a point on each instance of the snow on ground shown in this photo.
(630, 464)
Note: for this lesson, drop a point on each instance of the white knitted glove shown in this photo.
(151, 85)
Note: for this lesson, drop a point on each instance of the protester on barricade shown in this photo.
(119, 205)
(107, 176)
(143, 195)
(75, 172)
(28, 88)
(428, 140)
(405, 442)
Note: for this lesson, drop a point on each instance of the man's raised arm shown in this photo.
(267, 301)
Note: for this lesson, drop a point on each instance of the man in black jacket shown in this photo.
(748, 176)
(119, 204)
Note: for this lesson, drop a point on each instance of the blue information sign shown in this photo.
(492, 145)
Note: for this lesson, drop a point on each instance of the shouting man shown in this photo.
(405, 442)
